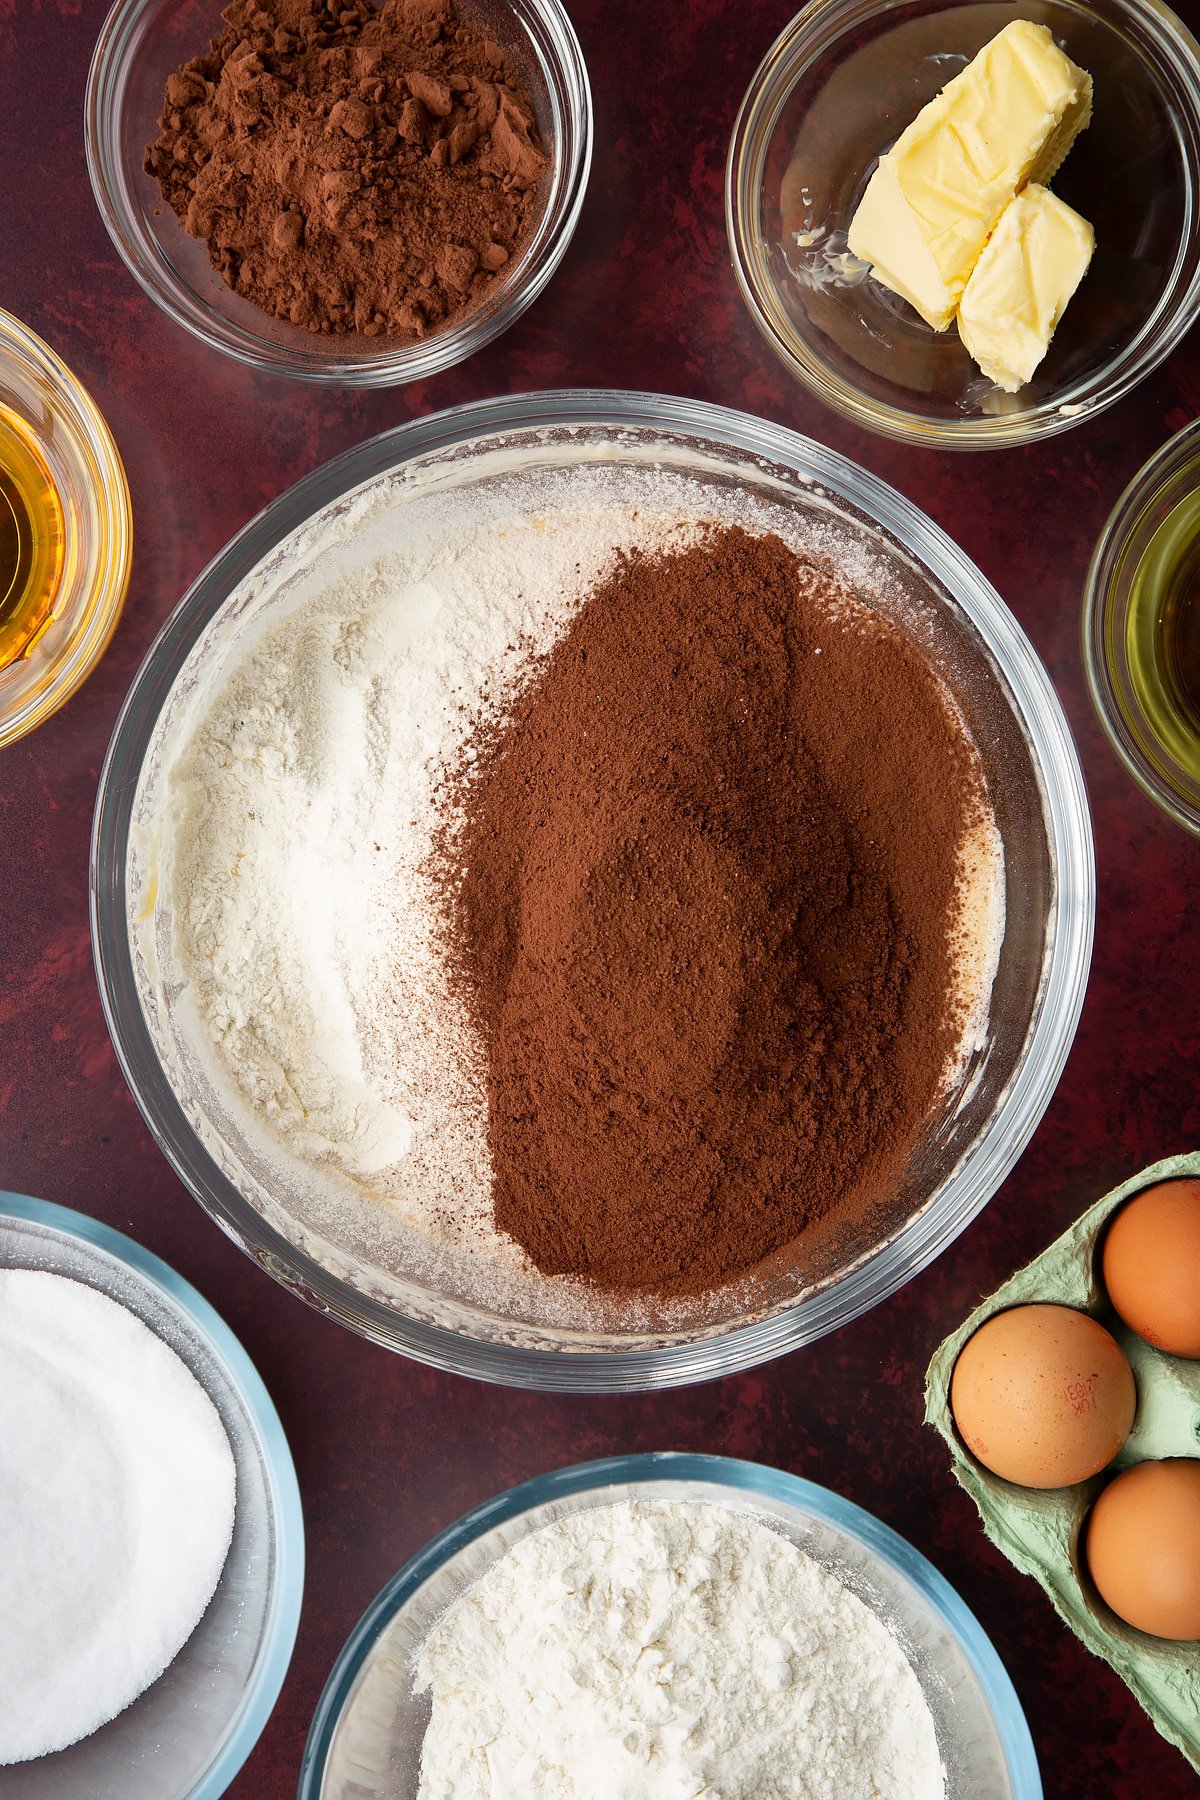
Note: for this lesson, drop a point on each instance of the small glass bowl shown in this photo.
(187, 1736)
(144, 41)
(78, 449)
(1151, 740)
(833, 93)
(365, 1739)
(383, 1284)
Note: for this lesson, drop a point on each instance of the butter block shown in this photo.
(1008, 118)
(1030, 267)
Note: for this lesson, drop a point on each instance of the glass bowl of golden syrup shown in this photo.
(66, 532)
(1141, 627)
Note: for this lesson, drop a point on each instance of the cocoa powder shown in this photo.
(700, 904)
(352, 170)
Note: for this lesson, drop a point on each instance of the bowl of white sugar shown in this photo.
(668, 1625)
(153, 1541)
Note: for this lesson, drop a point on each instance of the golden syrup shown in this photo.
(32, 540)
(1162, 634)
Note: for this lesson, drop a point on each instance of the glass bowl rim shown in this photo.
(1169, 461)
(818, 26)
(737, 1474)
(258, 1701)
(1069, 936)
(90, 440)
(419, 361)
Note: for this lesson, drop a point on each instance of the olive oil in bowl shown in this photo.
(1141, 627)
(1162, 634)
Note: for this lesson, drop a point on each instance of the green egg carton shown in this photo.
(1039, 1530)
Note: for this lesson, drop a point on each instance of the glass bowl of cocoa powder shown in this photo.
(363, 196)
(662, 1028)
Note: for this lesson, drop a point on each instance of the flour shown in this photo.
(656, 1651)
(116, 1510)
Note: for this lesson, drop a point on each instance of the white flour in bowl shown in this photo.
(655, 1651)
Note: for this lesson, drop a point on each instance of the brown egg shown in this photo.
(1042, 1395)
(1143, 1547)
(1152, 1265)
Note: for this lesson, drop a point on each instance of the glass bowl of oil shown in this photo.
(66, 532)
(1141, 627)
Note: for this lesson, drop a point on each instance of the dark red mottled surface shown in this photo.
(387, 1452)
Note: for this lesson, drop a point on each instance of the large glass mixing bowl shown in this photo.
(1030, 765)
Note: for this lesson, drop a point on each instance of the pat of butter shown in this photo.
(1033, 262)
(1009, 117)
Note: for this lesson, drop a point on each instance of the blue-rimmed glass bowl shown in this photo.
(366, 1735)
(187, 1736)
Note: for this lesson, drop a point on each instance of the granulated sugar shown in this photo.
(295, 958)
(116, 1510)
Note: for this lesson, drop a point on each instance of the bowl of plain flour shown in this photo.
(661, 1626)
(439, 898)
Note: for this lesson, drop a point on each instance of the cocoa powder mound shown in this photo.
(352, 169)
(701, 902)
